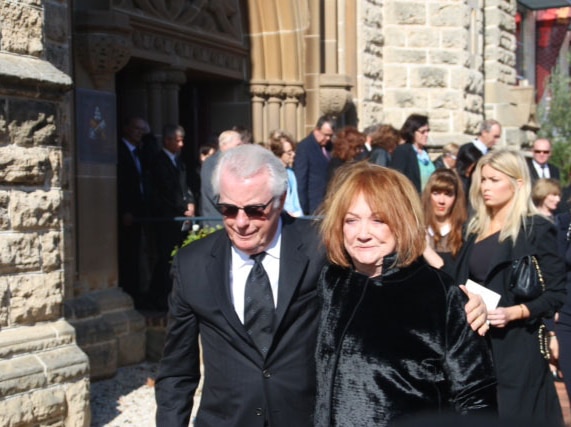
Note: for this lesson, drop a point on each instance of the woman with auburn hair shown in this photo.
(505, 228)
(383, 140)
(348, 143)
(444, 206)
(546, 195)
(381, 354)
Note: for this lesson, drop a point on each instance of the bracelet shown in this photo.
(522, 311)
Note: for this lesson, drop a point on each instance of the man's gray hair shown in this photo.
(249, 160)
(227, 137)
(486, 125)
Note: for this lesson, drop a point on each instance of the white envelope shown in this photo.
(491, 298)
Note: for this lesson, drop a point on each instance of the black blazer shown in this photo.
(241, 388)
(129, 183)
(404, 160)
(171, 194)
(312, 174)
(553, 171)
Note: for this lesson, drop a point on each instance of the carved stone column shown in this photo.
(154, 85)
(258, 92)
(163, 86)
(103, 44)
(173, 80)
(275, 99)
(292, 105)
(334, 93)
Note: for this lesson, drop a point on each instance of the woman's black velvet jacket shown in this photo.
(397, 345)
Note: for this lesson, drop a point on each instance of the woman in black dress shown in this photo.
(505, 228)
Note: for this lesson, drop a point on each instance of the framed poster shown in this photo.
(96, 126)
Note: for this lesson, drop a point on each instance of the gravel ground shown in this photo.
(127, 399)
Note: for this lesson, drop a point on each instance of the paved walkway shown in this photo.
(128, 399)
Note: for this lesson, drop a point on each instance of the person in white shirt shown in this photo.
(490, 134)
(539, 166)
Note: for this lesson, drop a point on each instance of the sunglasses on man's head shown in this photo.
(541, 151)
(252, 211)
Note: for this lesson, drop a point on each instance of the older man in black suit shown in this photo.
(250, 291)
(132, 205)
(248, 381)
(539, 166)
(171, 198)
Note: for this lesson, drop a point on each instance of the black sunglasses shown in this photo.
(252, 211)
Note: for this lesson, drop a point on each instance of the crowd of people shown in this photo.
(358, 313)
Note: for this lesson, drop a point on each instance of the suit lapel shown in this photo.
(293, 263)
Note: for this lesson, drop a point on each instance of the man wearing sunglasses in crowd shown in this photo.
(250, 292)
(539, 166)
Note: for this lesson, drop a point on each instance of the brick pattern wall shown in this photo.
(43, 373)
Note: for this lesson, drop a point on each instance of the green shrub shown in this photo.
(555, 120)
(194, 234)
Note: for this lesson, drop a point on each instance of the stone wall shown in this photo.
(43, 373)
(370, 44)
(430, 67)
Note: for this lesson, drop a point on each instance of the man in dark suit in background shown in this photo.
(245, 384)
(171, 197)
(312, 157)
(252, 377)
(490, 134)
(539, 166)
(131, 205)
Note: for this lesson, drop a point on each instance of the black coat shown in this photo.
(553, 171)
(311, 172)
(405, 160)
(525, 385)
(241, 388)
(397, 345)
(171, 194)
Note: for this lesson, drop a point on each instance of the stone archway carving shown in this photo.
(277, 89)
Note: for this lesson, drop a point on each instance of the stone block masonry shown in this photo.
(44, 375)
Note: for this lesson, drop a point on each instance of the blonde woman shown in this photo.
(505, 227)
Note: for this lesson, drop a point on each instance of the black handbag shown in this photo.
(526, 284)
(526, 281)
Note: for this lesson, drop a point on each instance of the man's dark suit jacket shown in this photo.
(171, 194)
(130, 200)
(241, 388)
(171, 197)
(311, 172)
(404, 159)
(553, 171)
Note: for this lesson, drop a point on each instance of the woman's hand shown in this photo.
(501, 316)
(553, 349)
(476, 312)
(432, 258)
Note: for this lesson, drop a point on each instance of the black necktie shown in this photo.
(259, 305)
